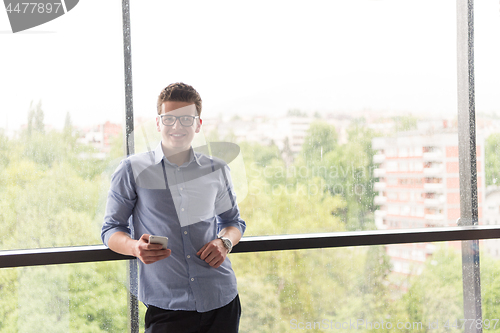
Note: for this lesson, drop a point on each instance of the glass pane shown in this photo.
(407, 287)
(65, 298)
(415, 286)
(62, 108)
(315, 96)
(487, 80)
(490, 273)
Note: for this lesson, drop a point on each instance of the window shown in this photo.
(309, 121)
(60, 128)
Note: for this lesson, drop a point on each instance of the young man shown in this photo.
(187, 197)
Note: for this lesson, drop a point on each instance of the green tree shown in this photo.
(296, 113)
(321, 139)
(68, 125)
(31, 117)
(260, 154)
(404, 123)
(436, 294)
(49, 197)
(355, 175)
(346, 169)
(490, 286)
(39, 126)
(492, 160)
(4, 150)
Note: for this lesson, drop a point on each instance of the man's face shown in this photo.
(177, 138)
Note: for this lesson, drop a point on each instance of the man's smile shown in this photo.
(177, 135)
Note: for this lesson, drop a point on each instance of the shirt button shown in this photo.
(182, 209)
(185, 232)
(178, 169)
(192, 279)
(188, 256)
(181, 188)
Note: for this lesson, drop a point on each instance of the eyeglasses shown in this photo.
(169, 120)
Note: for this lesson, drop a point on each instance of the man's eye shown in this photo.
(185, 118)
(169, 119)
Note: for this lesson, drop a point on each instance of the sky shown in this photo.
(248, 58)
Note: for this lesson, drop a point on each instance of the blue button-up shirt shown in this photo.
(189, 204)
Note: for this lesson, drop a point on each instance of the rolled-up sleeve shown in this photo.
(226, 206)
(121, 201)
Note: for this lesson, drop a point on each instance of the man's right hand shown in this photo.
(149, 253)
(121, 242)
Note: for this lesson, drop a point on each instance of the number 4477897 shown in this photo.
(470, 323)
(33, 7)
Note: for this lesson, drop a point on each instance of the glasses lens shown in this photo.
(186, 121)
(168, 120)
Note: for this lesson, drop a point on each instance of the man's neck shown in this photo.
(177, 157)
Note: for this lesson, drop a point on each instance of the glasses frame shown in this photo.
(177, 118)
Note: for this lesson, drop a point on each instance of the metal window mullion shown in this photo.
(133, 304)
(467, 160)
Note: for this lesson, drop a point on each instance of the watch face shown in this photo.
(227, 243)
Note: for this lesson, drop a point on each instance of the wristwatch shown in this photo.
(227, 243)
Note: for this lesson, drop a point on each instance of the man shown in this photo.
(187, 197)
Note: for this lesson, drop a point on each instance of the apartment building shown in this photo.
(492, 217)
(418, 187)
(287, 133)
(100, 137)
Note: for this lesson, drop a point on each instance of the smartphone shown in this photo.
(159, 240)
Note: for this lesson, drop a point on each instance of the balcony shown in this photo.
(378, 172)
(379, 186)
(379, 200)
(434, 171)
(434, 217)
(433, 202)
(432, 156)
(378, 158)
(379, 223)
(433, 186)
(380, 213)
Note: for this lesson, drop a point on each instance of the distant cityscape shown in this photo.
(286, 130)
(417, 170)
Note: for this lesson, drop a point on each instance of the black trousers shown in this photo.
(222, 320)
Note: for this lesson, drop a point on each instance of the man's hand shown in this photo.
(214, 253)
(149, 253)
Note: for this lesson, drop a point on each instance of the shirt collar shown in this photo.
(158, 152)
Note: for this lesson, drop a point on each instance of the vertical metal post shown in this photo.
(467, 153)
(133, 304)
(127, 58)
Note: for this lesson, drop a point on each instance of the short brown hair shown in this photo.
(179, 92)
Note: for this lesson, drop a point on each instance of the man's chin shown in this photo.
(176, 144)
(177, 148)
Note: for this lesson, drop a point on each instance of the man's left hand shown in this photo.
(214, 253)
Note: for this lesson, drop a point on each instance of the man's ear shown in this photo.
(158, 123)
(198, 126)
